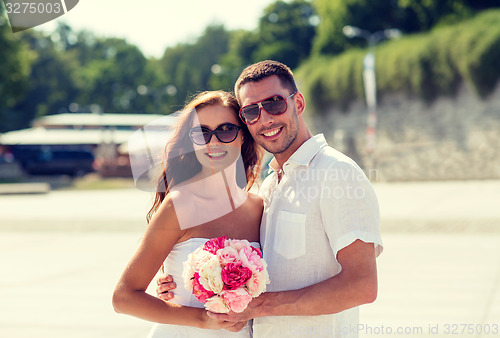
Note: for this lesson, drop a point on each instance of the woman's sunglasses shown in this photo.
(225, 133)
(274, 105)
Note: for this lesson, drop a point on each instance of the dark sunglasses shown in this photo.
(274, 105)
(225, 133)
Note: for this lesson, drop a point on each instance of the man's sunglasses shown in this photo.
(225, 133)
(274, 105)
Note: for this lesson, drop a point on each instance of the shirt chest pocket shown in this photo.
(290, 237)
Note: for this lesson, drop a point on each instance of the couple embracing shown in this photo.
(315, 219)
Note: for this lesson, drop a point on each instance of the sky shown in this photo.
(153, 25)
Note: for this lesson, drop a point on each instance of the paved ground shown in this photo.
(61, 254)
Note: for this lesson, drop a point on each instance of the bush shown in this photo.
(422, 65)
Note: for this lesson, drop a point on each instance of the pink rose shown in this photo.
(228, 255)
(215, 244)
(238, 244)
(199, 291)
(251, 259)
(257, 283)
(237, 300)
(234, 275)
(257, 250)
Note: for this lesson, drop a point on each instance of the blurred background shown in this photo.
(407, 88)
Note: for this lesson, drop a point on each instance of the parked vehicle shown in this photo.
(57, 162)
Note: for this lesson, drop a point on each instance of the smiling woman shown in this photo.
(197, 197)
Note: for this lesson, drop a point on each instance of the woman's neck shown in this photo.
(214, 185)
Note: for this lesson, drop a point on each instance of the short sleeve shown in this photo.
(349, 208)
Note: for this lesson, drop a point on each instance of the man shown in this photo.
(320, 231)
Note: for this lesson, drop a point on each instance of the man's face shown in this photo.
(275, 133)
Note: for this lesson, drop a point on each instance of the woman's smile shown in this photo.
(216, 155)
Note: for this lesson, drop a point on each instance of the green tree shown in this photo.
(334, 15)
(285, 33)
(14, 71)
(190, 67)
(111, 81)
(242, 45)
(52, 86)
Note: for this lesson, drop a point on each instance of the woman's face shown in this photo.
(216, 155)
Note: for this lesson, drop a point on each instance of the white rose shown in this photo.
(200, 257)
(210, 275)
(216, 304)
(187, 275)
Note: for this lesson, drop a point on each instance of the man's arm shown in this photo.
(356, 284)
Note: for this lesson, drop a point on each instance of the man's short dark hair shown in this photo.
(264, 69)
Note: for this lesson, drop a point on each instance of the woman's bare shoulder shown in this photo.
(166, 215)
(255, 197)
(255, 201)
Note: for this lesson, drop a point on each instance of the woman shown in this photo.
(197, 198)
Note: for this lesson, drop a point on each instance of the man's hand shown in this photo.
(165, 286)
(236, 327)
(249, 313)
(215, 324)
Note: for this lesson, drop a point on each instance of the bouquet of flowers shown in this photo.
(225, 274)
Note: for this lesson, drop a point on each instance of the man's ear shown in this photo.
(300, 102)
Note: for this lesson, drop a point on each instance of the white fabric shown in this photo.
(173, 266)
(323, 203)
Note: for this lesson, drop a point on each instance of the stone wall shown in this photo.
(452, 138)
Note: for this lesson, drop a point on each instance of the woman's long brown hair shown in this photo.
(180, 162)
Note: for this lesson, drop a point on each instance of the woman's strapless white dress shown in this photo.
(173, 266)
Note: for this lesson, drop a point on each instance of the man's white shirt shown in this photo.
(323, 203)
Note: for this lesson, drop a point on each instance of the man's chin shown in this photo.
(274, 149)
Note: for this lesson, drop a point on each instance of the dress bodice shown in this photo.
(174, 266)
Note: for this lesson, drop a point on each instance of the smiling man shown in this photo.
(320, 230)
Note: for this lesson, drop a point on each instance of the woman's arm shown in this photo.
(130, 295)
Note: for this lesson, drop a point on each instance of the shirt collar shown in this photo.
(304, 154)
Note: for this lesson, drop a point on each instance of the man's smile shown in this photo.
(272, 133)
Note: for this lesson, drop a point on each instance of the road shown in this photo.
(435, 206)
